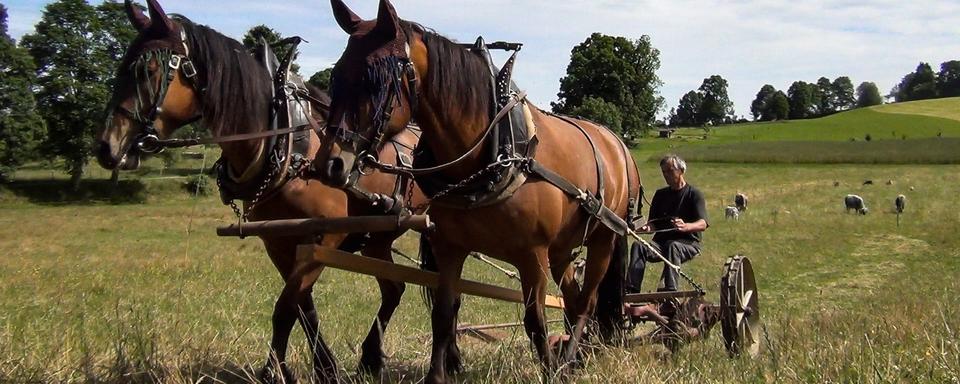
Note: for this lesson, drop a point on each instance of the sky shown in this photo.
(748, 42)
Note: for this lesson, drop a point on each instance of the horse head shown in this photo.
(155, 91)
(373, 85)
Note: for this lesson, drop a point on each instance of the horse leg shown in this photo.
(533, 270)
(445, 306)
(599, 250)
(372, 356)
(563, 275)
(296, 302)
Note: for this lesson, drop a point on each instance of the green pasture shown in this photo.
(900, 121)
(117, 290)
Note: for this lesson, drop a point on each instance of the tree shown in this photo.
(74, 68)
(760, 103)
(827, 102)
(778, 108)
(918, 85)
(596, 109)
(619, 71)
(868, 94)
(688, 110)
(803, 100)
(948, 79)
(716, 107)
(321, 79)
(21, 128)
(252, 38)
(844, 97)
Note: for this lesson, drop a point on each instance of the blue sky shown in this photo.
(748, 42)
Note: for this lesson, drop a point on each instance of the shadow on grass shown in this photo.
(91, 191)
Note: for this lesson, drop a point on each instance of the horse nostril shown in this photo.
(334, 171)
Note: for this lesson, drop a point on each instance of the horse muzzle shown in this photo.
(336, 171)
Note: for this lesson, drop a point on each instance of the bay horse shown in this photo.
(578, 175)
(175, 72)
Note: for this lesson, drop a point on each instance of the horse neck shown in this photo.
(449, 132)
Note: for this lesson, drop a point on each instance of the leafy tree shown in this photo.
(716, 107)
(21, 128)
(868, 94)
(844, 98)
(321, 79)
(596, 109)
(760, 103)
(619, 71)
(778, 108)
(918, 85)
(688, 111)
(948, 79)
(252, 38)
(827, 102)
(803, 100)
(75, 65)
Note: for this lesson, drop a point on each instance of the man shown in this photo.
(678, 216)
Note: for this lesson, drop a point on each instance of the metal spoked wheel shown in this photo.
(740, 317)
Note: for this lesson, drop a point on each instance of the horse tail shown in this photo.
(428, 262)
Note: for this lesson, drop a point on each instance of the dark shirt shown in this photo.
(687, 203)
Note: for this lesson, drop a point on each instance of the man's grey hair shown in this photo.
(675, 161)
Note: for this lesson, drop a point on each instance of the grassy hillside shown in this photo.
(902, 121)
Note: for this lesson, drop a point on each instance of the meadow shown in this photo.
(145, 292)
(128, 282)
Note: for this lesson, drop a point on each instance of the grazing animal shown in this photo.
(392, 71)
(856, 203)
(731, 212)
(899, 203)
(836, 183)
(210, 77)
(912, 188)
(868, 182)
(889, 182)
(740, 201)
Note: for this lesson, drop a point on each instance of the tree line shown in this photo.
(56, 81)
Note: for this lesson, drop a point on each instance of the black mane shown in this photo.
(458, 78)
(236, 87)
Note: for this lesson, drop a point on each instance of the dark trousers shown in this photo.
(677, 252)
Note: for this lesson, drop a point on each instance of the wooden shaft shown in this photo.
(396, 272)
(651, 297)
(304, 227)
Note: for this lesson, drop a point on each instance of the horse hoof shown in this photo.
(269, 375)
(371, 367)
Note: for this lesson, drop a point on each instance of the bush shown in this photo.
(198, 185)
(867, 137)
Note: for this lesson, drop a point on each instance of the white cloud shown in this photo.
(748, 42)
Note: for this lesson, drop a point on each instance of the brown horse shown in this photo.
(218, 82)
(393, 71)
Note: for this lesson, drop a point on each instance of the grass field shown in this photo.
(899, 121)
(144, 291)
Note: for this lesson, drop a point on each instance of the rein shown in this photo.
(388, 168)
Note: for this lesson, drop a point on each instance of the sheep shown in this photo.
(889, 182)
(868, 182)
(731, 212)
(740, 201)
(836, 183)
(855, 202)
(899, 203)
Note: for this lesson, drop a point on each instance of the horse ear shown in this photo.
(158, 18)
(347, 20)
(387, 23)
(136, 16)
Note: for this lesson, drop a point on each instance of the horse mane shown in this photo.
(458, 78)
(236, 87)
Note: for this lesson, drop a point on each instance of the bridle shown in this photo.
(170, 63)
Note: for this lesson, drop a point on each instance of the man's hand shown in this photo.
(696, 226)
(645, 228)
(681, 226)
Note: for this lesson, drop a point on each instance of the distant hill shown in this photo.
(904, 122)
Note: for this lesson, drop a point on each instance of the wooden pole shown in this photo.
(386, 270)
(304, 227)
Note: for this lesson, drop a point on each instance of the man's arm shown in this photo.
(701, 223)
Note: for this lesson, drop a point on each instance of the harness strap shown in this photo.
(588, 202)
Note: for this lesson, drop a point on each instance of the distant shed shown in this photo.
(666, 133)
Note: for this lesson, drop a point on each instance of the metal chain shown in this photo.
(502, 163)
